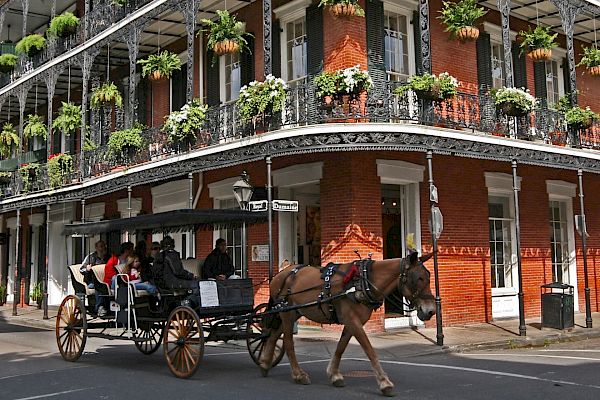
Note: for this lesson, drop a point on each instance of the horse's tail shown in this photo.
(272, 319)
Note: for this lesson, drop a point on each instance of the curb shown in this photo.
(525, 342)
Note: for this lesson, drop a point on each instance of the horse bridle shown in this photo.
(402, 281)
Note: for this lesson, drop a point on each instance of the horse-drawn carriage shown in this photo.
(183, 320)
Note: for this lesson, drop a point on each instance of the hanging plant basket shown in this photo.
(594, 71)
(343, 10)
(226, 46)
(467, 34)
(511, 109)
(157, 76)
(433, 94)
(540, 55)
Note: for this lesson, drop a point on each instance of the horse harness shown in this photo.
(356, 286)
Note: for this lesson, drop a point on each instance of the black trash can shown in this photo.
(558, 309)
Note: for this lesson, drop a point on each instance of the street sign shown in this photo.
(580, 225)
(285, 205)
(259, 205)
(437, 225)
(433, 194)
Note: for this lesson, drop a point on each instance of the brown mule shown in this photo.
(299, 286)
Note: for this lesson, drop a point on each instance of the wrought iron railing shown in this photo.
(104, 15)
(472, 112)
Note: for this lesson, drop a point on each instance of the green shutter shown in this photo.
(314, 39)
(539, 78)
(566, 77)
(375, 42)
(416, 22)
(247, 62)
(519, 66)
(276, 48)
(484, 62)
(213, 84)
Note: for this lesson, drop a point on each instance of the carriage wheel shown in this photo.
(183, 342)
(256, 341)
(152, 335)
(71, 328)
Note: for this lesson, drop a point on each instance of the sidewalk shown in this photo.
(407, 342)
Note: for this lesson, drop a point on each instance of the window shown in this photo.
(396, 46)
(552, 82)
(233, 238)
(559, 241)
(179, 88)
(497, 65)
(233, 76)
(295, 49)
(501, 246)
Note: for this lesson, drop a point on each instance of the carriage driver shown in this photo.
(218, 264)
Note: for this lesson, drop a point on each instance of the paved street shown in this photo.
(32, 369)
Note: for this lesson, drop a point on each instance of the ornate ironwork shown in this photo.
(22, 92)
(504, 8)
(133, 39)
(86, 61)
(189, 9)
(568, 11)
(3, 10)
(267, 39)
(50, 77)
(25, 5)
(425, 35)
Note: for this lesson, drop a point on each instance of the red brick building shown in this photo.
(358, 170)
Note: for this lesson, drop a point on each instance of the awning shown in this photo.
(171, 221)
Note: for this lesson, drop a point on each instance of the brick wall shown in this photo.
(344, 41)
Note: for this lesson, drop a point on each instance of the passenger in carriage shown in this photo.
(141, 252)
(168, 271)
(97, 257)
(154, 250)
(134, 269)
(218, 264)
(110, 273)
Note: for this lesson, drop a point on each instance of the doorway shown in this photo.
(399, 218)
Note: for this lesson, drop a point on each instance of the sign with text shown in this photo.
(209, 295)
(285, 205)
(259, 205)
(260, 252)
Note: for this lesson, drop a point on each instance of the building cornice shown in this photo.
(320, 139)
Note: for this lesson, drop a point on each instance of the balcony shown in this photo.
(467, 112)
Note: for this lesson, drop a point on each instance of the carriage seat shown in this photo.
(193, 265)
(98, 271)
(77, 280)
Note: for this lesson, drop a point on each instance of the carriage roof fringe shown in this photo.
(170, 222)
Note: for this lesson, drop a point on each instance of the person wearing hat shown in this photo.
(168, 271)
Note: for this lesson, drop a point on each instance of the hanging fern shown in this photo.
(35, 127)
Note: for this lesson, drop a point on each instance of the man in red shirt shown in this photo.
(110, 271)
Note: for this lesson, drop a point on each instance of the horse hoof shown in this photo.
(264, 372)
(303, 379)
(388, 391)
(338, 383)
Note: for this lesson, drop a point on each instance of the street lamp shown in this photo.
(242, 190)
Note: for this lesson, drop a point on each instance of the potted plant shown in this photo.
(460, 18)
(226, 35)
(5, 177)
(60, 167)
(580, 118)
(126, 142)
(261, 99)
(343, 8)
(106, 95)
(63, 25)
(29, 174)
(34, 127)
(436, 88)
(328, 86)
(183, 126)
(7, 63)
(590, 59)
(354, 81)
(160, 66)
(538, 43)
(513, 101)
(69, 118)
(2, 294)
(37, 294)
(9, 140)
(30, 45)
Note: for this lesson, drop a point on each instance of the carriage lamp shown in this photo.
(243, 190)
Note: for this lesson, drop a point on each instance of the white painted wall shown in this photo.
(59, 253)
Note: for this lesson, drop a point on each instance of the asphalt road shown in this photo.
(31, 368)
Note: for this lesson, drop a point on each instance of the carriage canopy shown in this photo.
(170, 221)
